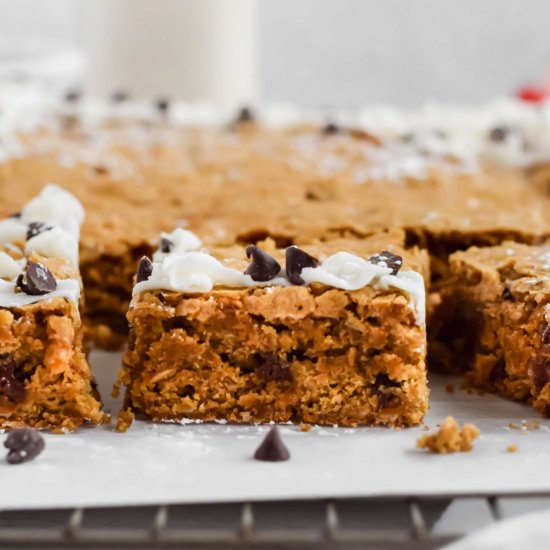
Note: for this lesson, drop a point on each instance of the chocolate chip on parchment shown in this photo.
(499, 133)
(23, 445)
(35, 228)
(166, 245)
(144, 270)
(272, 448)
(39, 280)
(296, 260)
(10, 386)
(72, 96)
(264, 267)
(387, 259)
(269, 367)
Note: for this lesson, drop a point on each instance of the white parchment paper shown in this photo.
(198, 463)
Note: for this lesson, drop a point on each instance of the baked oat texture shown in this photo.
(45, 380)
(494, 320)
(311, 354)
(450, 438)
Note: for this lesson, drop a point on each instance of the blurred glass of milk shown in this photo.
(190, 49)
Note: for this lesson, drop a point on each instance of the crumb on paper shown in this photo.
(511, 448)
(450, 438)
(125, 419)
(304, 427)
(449, 388)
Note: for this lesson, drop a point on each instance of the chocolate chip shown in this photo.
(119, 96)
(39, 280)
(538, 368)
(499, 134)
(163, 104)
(35, 228)
(546, 335)
(23, 445)
(10, 386)
(15, 215)
(507, 295)
(498, 372)
(166, 245)
(270, 367)
(144, 270)
(72, 96)
(387, 259)
(244, 115)
(296, 260)
(264, 267)
(272, 448)
(330, 128)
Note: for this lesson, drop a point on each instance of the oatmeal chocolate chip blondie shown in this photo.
(45, 381)
(494, 320)
(329, 333)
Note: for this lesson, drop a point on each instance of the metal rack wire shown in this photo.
(346, 523)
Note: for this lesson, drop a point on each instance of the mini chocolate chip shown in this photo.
(15, 215)
(39, 280)
(119, 96)
(10, 386)
(244, 115)
(166, 245)
(144, 270)
(498, 372)
(264, 267)
(499, 133)
(35, 228)
(23, 445)
(163, 104)
(538, 368)
(330, 128)
(272, 448)
(296, 260)
(387, 259)
(546, 335)
(72, 96)
(507, 295)
(270, 367)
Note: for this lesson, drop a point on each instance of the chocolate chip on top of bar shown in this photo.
(387, 259)
(35, 228)
(144, 270)
(272, 448)
(10, 386)
(296, 260)
(166, 245)
(23, 445)
(39, 280)
(264, 267)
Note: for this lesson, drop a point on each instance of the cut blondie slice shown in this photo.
(494, 320)
(45, 380)
(331, 334)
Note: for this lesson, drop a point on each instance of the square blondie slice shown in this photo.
(494, 320)
(331, 333)
(45, 380)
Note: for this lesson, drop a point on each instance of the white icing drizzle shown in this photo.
(198, 272)
(182, 241)
(10, 268)
(54, 243)
(66, 288)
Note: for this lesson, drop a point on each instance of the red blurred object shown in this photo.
(533, 94)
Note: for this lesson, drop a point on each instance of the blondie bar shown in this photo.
(329, 333)
(45, 380)
(494, 320)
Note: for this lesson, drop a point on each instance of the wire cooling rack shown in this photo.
(411, 522)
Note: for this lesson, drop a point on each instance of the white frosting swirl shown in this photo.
(12, 230)
(10, 268)
(182, 241)
(54, 243)
(198, 272)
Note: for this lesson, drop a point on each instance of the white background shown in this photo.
(350, 52)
